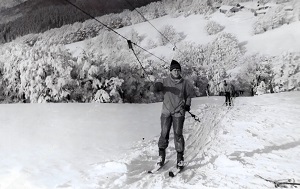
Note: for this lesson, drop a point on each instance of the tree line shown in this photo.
(40, 16)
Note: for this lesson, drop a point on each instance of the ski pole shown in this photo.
(278, 183)
(194, 116)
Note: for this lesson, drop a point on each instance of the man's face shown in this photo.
(176, 73)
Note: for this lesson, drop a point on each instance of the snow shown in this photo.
(274, 42)
(10, 3)
(45, 146)
(287, 40)
(113, 145)
(250, 5)
(225, 7)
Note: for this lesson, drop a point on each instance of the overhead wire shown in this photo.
(131, 47)
(91, 16)
(152, 25)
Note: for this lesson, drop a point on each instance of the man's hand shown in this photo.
(187, 108)
(157, 87)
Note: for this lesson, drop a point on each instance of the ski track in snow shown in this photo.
(260, 135)
(209, 165)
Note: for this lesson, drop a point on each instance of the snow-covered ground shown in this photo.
(274, 42)
(113, 145)
(10, 3)
(91, 146)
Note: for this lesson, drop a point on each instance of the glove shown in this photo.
(158, 86)
(187, 108)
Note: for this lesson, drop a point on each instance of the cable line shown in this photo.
(94, 18)
(113, 30)
(152, 25)
(149, 52)
(131, 47)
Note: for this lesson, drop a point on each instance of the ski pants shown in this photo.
(166, 123)
(227, 99)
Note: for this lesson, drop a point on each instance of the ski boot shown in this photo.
(180, 165)
(162, 157)
(180, 160)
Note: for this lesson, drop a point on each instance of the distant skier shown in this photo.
(252, 87)
(227, 90)
(207, 90)
(261, 88)
(177, 100)
(271, 84)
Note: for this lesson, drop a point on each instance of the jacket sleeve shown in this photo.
(158, 86)
(189, 93)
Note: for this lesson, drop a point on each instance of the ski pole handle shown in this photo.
(194, 116)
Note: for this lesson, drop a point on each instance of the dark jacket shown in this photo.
(177, 94)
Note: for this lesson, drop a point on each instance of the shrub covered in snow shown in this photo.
(169, 34)
(197, 7)
(287, 72)
(213, 27)
(42, 70)
(50, 74)
(224, 50)
(274, 18)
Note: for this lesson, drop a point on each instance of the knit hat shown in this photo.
(175, 65)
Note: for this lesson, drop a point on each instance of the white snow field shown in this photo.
(91, 146)
(273, 42)
(112, 146)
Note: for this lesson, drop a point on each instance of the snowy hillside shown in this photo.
(112, 145)
(274, 42)
(10, 3)
(75, 146)
(273, 47)
(211, 46)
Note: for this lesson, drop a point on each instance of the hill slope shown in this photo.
(19, 18)
(235, 54)
(273, 42)
(113, 145)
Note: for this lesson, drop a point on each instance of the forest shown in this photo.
(39, 15)
(39, 68)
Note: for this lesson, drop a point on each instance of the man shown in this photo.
(227, 90)
(252, 85)
(177, 100)
(207, 90)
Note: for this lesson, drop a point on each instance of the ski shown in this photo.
(157, 168)
(176, 171)
(280, 183)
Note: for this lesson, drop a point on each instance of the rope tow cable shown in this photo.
(131, 47)
(74, 5)
(153, 26)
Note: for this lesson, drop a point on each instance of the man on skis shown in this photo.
(228, 92)
(177, 93)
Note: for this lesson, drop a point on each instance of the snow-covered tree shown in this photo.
(224, 50)
(200, 7)
(169, 34)
(213, 27)
(102, 96)
(274, 18)
(153, 10)
(134, 36)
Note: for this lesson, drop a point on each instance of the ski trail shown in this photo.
(245, 123)
(217, 149)
(198, 136)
